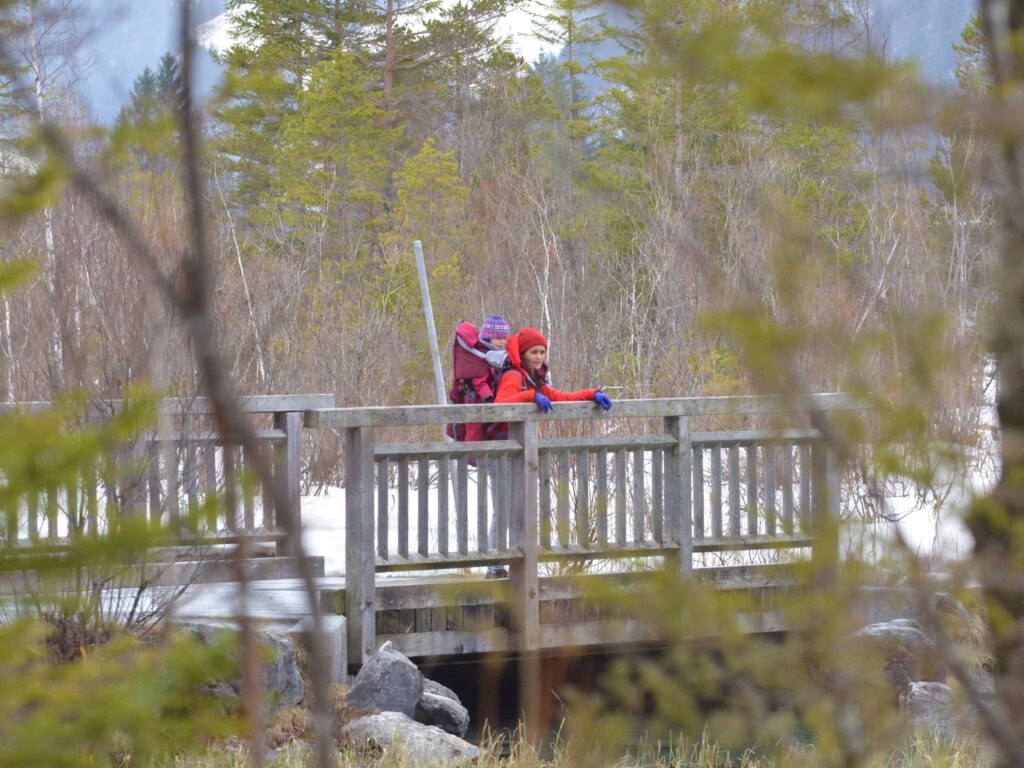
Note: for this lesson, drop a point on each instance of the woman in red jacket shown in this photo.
(525, 379)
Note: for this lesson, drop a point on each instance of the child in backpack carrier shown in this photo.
(477, 361)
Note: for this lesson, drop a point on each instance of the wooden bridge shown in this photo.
(727, 490)
(651, 484)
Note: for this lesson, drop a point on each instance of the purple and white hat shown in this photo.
(495, 327)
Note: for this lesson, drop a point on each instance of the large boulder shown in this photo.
(444, 711)
(931, 704)
(282, 677)
(388, 682)
(395, 733)
(910, 655)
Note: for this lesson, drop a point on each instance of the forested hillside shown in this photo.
(670, 234)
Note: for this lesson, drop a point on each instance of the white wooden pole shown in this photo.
(435, 353)
(428, 311)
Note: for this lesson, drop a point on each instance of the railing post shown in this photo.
(523, 470)
(287, 470)
(360, 596)
(523, 577)
(825, 514)
(678, 489)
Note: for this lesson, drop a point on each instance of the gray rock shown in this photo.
(388, 682)
(445, 712)
(909, 654)
(393, 732)
(931, 704)
(282, 678)
(434, 687)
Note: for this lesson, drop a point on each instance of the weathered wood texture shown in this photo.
(677, 495)
(185, 475)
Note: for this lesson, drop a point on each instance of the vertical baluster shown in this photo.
(620, 497)
(153, 475)
(716, 490)
(171, 469)
(639, 499)
(383, 531)
(211, 486)
(805, 487)
(482, 481)
(52, 513)
(248, 476)
(657, 497)
(787, 488)
(601, 501)
(423, 489)
(544, 481)
(501, 503)
(191, 475)
(769, 489)
(698, 492)
(752, 527)
(443, 478)
(734, 489)
(230, 487)
(266, 489)
(563, 498)
(10, 537)
(32, 516)
(75, 522)
(92, 506)
(583, 499)
(462, 500)
(403, 508)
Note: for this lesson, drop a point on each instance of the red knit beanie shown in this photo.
(531, 337)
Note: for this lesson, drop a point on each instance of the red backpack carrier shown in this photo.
(475, 369)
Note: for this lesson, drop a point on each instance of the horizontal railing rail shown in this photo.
(419, 415)
(674, 493)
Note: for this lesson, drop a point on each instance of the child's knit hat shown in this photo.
(495, 327)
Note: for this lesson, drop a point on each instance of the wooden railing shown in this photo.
(171, 470)
(676, 494)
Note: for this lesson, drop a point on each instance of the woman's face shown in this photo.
(535, 357)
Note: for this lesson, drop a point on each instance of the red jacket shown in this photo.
(514, 385)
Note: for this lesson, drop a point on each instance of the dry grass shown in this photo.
(923, 750)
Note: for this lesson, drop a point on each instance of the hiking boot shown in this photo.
(496, 573)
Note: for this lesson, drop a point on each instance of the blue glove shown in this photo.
(543, 403)
(603, 400)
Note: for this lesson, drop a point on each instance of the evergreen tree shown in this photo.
(145, 126)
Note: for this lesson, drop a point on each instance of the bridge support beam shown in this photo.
(287, 468)
(360, 583)
(523, 577)
(825, 511)
(679, 492)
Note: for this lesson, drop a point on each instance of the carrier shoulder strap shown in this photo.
(472, 350)
(522, 377)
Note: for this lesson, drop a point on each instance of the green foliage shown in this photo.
(126, 701)
(145, 127)
(334, 162)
